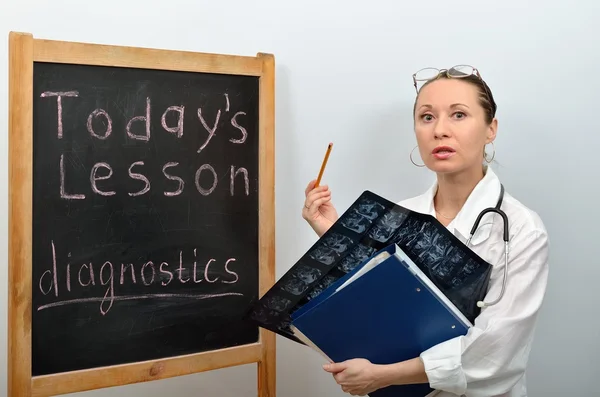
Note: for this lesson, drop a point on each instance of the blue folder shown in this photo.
(386, 314)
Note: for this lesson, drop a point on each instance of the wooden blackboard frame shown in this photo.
(24, 50)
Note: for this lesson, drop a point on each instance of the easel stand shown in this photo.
(31, 283)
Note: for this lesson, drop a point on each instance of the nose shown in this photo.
(441, 129)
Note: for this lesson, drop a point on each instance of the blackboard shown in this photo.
(145, 211)
(146, 208)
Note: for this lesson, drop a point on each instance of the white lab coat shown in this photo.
(490, 360)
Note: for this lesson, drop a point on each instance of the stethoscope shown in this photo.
(498, 211)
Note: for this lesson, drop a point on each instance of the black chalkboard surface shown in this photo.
(145, 214)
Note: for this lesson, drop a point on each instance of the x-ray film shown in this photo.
(369, 225)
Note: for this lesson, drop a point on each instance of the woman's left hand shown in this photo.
(358, 377)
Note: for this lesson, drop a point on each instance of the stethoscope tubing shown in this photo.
(505, 237)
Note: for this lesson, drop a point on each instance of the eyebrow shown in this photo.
(428, 106)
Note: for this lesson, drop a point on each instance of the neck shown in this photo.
(453, 190)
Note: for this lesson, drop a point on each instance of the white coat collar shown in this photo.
(485, 194)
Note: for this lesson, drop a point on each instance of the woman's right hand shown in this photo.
(318, 210)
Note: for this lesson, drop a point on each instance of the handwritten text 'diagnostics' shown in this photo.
(64, 279)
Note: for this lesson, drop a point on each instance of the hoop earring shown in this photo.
(411, 159)
(493, 154)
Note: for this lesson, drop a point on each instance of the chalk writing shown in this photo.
(232, 176)
(102, 171)
(206, 192)
(205, 169)
(63, 193)
(145, 119)
(242, 129)
(94, 178)
(106, 274)
(141, 177)
(173, 178)
(211, 131)
(148, 273)
(176, 130)
(90, 127)
(59, 96)
(145, 133)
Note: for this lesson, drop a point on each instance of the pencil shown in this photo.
(324, 164)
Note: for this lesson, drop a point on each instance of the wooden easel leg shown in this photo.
(267, 366)
(20, 87)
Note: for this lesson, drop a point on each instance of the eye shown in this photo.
(426, 117)
(460, 115)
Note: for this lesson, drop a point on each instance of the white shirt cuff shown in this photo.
(443, 366)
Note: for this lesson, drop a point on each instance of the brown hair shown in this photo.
(486, 99)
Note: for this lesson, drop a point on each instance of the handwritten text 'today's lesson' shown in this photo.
(65, 277)
(177, 130)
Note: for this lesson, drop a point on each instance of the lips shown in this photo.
(443, 150)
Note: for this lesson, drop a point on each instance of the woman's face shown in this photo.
(451, 126)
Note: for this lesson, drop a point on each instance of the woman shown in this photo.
(454, 118)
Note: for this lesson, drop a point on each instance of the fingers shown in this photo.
(309, 211)
(310, 189)
(334, 367)
(310, 186)
(316, 198)
(314, 207)
(317, 193)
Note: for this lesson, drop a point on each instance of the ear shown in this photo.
(491, 131)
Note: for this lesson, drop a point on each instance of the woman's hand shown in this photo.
(357, 377)
(318, 210)
(360, 377)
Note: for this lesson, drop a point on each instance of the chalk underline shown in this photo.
(136, 297)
